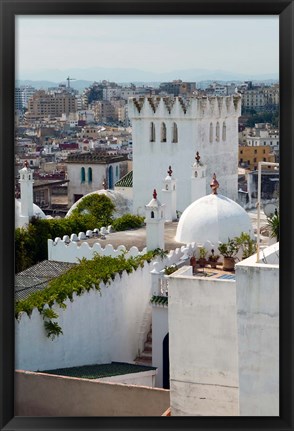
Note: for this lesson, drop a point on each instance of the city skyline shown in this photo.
(48, 46)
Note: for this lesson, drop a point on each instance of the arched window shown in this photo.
(152, 132)
(163, 132)
(224, 134)
(83, 175)
(175, 133)
(217, 132)
(89, 175)
(210, 133)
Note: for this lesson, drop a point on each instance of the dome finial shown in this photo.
(104, 184)
(170, 171)
(26, 164)
(197, 158)
(154, 194)
(214, 185)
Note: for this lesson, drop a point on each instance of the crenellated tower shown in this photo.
(173, 128)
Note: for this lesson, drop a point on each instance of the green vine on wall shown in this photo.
(87, 275)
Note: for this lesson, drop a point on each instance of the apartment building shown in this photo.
(43, 105)
(258, 98)
(250, 156)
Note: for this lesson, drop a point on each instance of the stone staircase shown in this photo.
(145, 357)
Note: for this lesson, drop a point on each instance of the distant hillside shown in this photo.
(77, 85)
(87, 76)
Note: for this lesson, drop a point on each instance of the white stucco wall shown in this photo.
(60, 251)
(96, 328)
(159, 331)
(151, 159)
(144, 378)
(257, 287)
(99, 174)
(202, 346)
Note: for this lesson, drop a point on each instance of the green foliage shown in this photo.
(98, 206)
(53, 329)
(270, 116)
(274, 224)
(127, 221)
(159, 300)
(229, 249)
(243, 242)
(202, 252)
(48, 313)
(170, 269)
(247, 245)
(87, 275)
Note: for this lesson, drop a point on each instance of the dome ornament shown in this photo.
(170, 171)
(154, 194)
(214, 185)
(197, 158)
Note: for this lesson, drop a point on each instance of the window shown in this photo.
(152, 214)
(241, 161)
(255, 160)
(152, 132)
(241, 151)
(163, 132)
(116, 171)
(263, 151)
(210, 133)
(217, 132)
(255, 151)
(89, 175)
(264, 159)
(224, 134)
(175, 133)
(83, 176)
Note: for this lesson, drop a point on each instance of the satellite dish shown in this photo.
(270, 209)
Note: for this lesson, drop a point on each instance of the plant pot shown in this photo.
(202, 262)
(229, 263)
(212, 263)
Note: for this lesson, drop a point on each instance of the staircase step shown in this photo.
(146, 354)
(142, 361)
(148, 346)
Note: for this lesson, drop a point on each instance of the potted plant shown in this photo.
(202, 257)
(229, 250)
(213, 258)
(247, 245)
(274, 225)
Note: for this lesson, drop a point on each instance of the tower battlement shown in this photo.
(192, 108)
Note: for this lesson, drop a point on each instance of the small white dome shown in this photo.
(213, 218)
(37, 212)
(122, 205)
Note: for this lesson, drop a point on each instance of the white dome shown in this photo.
(213, 218)
(37, 212)
(122, 205)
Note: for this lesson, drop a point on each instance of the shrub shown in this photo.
(99, 206)
(127, 221)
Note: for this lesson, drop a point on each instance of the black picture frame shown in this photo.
(11, 8)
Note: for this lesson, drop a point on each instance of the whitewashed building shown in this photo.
(169, 131)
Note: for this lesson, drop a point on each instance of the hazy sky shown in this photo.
(244, 44)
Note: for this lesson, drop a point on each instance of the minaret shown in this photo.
(154, 223)
(169, 196)
(198, 179)
(26, 192)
